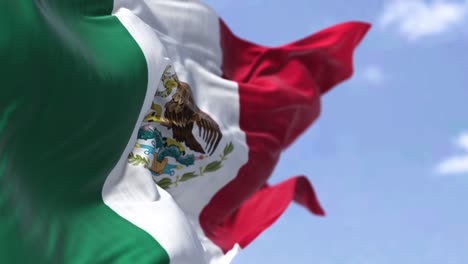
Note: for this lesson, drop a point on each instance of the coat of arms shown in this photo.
(167, 142)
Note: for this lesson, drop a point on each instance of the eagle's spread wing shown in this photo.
(184, 134)
(180, 111)
(211, 133)
(183, 112)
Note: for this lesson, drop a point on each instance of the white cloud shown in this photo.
(415, 19)
(457, 164)
(374, 74)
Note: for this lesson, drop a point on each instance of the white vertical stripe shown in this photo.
(187, 32)
(190, 32)
(130, 192)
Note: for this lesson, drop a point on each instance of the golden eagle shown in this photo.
(181, 114)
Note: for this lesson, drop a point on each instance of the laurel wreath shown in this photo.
(213, 166)
(136, 160)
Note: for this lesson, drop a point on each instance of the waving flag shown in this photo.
(145, 131)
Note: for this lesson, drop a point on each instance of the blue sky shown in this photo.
(389, 154)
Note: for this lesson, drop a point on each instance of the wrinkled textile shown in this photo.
(146, 131)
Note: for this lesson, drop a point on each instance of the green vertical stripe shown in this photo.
(72, 84)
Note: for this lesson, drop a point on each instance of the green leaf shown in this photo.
(133, 161)
(176, 183)
(228, 149)
(164, 183)
(137, 160)
(187, 176)
(213, 166)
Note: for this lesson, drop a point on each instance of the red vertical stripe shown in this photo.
(262, 209)
(279, 91)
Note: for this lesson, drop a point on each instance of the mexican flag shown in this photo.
(137, 131)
